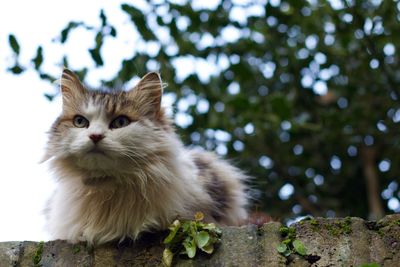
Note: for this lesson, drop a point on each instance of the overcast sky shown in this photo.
(26, 114)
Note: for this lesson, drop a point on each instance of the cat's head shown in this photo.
(109, 132)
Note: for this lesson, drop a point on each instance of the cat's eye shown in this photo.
(80, 122)
(119, 122)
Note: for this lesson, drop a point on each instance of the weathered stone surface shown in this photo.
(145, 252)
(9, 253)
(28, 251)
(269, 239)
(329, 242)
(60, 253)
(339, 242)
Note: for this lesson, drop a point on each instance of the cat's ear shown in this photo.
(147, 93)
(70, 86)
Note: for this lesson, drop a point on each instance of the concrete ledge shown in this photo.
(329, 242)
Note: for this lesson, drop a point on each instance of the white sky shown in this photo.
(26, 114)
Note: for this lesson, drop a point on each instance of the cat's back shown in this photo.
(225, 184)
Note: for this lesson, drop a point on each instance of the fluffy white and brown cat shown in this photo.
(121, 170)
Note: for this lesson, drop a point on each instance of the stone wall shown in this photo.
(329, 242)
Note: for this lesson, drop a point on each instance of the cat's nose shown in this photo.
(96, 137)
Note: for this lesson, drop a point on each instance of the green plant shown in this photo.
(186, 237)
(370, 265)
(76, 249)
(37, 257)
(340, 227)
(290, 244)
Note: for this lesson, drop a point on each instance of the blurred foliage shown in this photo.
(300, 89)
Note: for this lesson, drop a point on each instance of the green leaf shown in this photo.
(287, 253)
(190, 248)
(281, 248)
(167, 257)
(212, 228)
(13, 43)
(17, 69)
(140, 21)
(113, 31)
(284, 230)
(65, 62)
(38, 60)
(209, 226)
(202, 239)
(99, 39)
(49, 97)
(81, 73)
(46, 76)
(208, 249)
(65, 32)
(186, 226)
(173, 230)
(95, 54)
(299, 247)
(103, 18)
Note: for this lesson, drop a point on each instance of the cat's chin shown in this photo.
(96, 151)
(93, 161)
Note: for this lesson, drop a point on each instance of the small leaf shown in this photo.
(13, 43)
(167, 257)
(210, 226)
(299, 247)
(65, 62)
(281, 248)
(81, 73)
(190, 248)
(65, 32)
(287, 253)
(17, 69)
(46, 76)
(95, 53)
(49, 97)
(208, 249)
(103, 18)
(38, 60)
(186, 226)
(113, 31)
(199, 216)
(76, 249)
(176, 224)
(284, 231)
(99, 40)
(174, 229)
(202, 239)
(140, 21)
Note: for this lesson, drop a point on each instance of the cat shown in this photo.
(121, 169)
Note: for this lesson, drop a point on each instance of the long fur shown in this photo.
(137, 178)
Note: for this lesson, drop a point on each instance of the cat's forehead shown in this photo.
(92, 108)
(109, 104)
